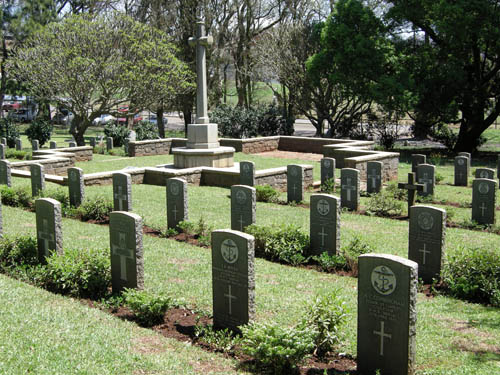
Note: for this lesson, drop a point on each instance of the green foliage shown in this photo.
(119, 133)
(149, 309)
(439, 178)
(40, 130)
(96, 208)
(18, 251)
(18, 154)
(277, 347)
(328, 186)
(222, 340)
(9, 131)
(266, 193)
(397, 193)
(353, 250)
(146, 130)
(474, 275)
(187, 227)
(384, 204)
(17, 196)
(330, 263)
(445, 135)
(79, 273)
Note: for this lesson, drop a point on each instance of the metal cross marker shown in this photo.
(230, 298)
(348, 187)
(121, 250)
(483, 208)
(412, 188)
(120, 196)
(323, 234)
(424, 253)
(382, 335)
(45, 236)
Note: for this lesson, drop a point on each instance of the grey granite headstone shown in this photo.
(247, 173)
(177, 203)
(374, 176)
(122, 191)
(461, 171)
(485, 173)
(127, 255)
(37, 179)
(233, 278)
(2, 151)
(243, 203)
(35, 145)
(5, 173)
(349, 188)
(92, 141)
(3, 141)
(19, 144)
(72, 144)
(484, 200)
(48, 227)
(426, 240)
(468, 155)
(417, 159)
(387, 314)
(295, 183)
(327, 169)
(109, 143)
(76, 186)
(324, 224)
(53, 145)
(426, 175)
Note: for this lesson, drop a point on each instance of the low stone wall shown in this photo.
(158, 176)
(253, 145)
(276, 177)
(55, 165)
(155, 147)
(106, 178)
(315, 145)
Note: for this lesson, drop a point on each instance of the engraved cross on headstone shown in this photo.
(382, 335)
(45, 236)
(121, 250)
(121, 197)
(412, 188)
(241, 223)
(483, 208)
(323, 234)
(373, 176)
(424, 253)
(230, 298)
(175, 211)
(426, 180)
(348, 187)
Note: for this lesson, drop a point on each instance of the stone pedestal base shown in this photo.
(220, 157)
(202, 136)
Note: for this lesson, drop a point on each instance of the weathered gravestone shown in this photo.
(122, 191)
(243, 202)
(247, 173)
(426, 240)
(327, 171)
(295, 183)
(426, 175)
(177, 204)
(233, 278)
(48, 227)
(417, 159)
(349, 188)
(412, 188)
(485, 173)
(2, 151)
(5, 173)
(76, 186)
(53, 145)
(35, 145)
(109, 143)
(387, 315)
(37, 179)
(72, 144)
(484, 200)
(461, 171)
(19, 144)
(3, 141)
(127, 256)
(92, 141)
(374, 176)
(324, 224)
(468, 155)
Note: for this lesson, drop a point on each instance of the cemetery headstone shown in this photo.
(426, 240)
(412, 188)
(92, 141)
(426, 175)
(72, 144)
(5, 173)
(295, 183)
(233, 278)
(247, 173)
(2, 151)
(19, 145)
(485, 173)
(76, 186)
(468, 155)
(177, 204)
(498, 167)
(127, 255)
(243, 203)
(417, 159)
(53, 145)
(324, 224)
(48, 228)
(461, 171)
(484, 200)
(4, 141)
(387, 314)
(327, 170)
(122, 191)
(109, 143)
(35, 145)
(349, 188)
(374, 176)
(37, 179)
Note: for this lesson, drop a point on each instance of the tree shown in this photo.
(93, 65)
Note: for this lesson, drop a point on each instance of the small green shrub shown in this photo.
(149, 309)
(119, 133)
(146, 130)
(96, 208)
(40, 130)
(11, 153)
(439, 178)
(277, 347)
(384, 204)
(222, 340)
(397, 193)
(18, 251)
(328, 186)
(474, 275)
(9, 130)
(17, 196)
(266, 193)
(329, 263)
(353, 250)
(187, 227)
(168, 232)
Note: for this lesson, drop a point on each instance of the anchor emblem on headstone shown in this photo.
(383, 280)
(229, 251)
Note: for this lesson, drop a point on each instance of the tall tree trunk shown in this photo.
(159, 121)
(3, 83)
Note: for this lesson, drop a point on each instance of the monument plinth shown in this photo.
(203, 148)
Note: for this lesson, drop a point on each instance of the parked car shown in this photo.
(63, 117)
(103, 119)
(22, 115)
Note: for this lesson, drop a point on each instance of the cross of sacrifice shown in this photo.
(373, 176)
(412, 188)
(427, 181)
(424, 253)
(120, 196)
(45, 236)
(483, 208)
(201, 41)
(121, 250)
(382, 335)
(323, 234)
(230, 298)
(348, 187)
(175, 211)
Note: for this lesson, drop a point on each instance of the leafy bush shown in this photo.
(223, 340)
(397, 193)
(146, 130)
(352, 251)
(330, 263)
(96, 208)
(474, 275)
(439, 178)
(18, 154)
(277, 347)
(17, 196)
(149, 309)
(119, 133)
(328, 186)
(266, 193)
(18, 251)
(187, 227)
(384, 204)
(9, 131)
(40, 130)
(79, 273)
